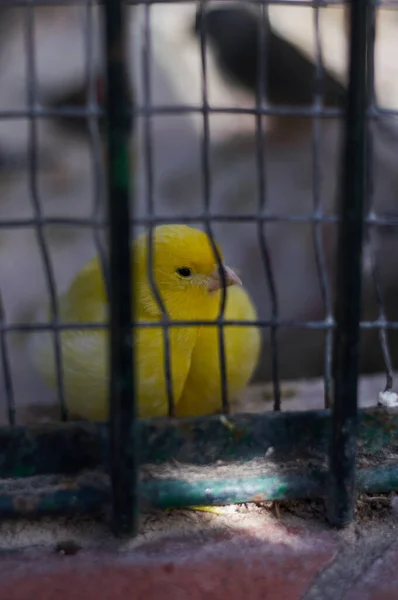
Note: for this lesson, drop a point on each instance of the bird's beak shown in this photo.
(215, 280)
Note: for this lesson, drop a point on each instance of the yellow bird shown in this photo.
(203, 386)
(188, 279)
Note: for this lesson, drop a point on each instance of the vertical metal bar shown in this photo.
(349, 276)
(150, 199)
(124, 459)
(261, 96)
(318, 213)
(371, 246)
(6, 367)
(207, 186)
(95, 140)
(33, 170)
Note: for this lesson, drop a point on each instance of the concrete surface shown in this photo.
(305, 394)
(247, 554)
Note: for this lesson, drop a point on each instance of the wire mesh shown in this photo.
(206, 210)
(261, 157)
(31, 91)
(124, 464)
(149, 176)
(318, 212)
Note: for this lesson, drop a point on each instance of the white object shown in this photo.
(388, 399)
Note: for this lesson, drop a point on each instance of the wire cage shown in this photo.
(82, 467)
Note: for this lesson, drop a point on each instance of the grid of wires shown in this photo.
(357, 186)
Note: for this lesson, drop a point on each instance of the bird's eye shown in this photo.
(184, 272)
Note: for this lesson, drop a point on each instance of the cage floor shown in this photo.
(297, 395)
(206, 555)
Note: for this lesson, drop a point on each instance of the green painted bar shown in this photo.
(124, 461)
(69, 496)
(71, 447)
(352, 205)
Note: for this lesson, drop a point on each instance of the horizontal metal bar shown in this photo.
(85, 112)
(323, 325)
(67, 448)
(381, 111)
(309, 3)
(44, 112)
(145, 111)
(67, 495)
(265, 111)
(296, 3)
(374, 220)
(312, 3)
(309, 484)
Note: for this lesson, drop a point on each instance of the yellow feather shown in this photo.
(194, 350)
(202, 394)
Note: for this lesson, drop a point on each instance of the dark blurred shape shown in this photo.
(77, 97)
(11, 160)
(233, 32)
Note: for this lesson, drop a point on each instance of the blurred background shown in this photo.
(50, 57)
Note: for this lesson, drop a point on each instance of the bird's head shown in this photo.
(185, 270)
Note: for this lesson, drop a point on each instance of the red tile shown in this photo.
(266, 563)
(380, 582)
